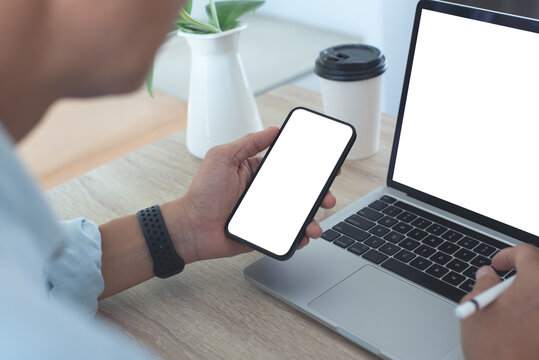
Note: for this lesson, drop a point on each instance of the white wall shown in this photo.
(386, 24)
(352, 17)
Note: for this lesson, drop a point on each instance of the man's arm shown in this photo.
(196, 221)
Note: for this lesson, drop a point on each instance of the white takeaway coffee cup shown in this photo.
(351, 85)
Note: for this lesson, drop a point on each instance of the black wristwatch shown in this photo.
(166, 261)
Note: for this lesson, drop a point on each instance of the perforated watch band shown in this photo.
(166, 261)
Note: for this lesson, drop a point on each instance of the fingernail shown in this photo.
(483, 270)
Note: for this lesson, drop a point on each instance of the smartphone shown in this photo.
(290, 183)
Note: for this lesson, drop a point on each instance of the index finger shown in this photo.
(252, 144)
(522, 255)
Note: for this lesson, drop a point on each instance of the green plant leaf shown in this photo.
(213, 15)
(228, 12)
(190, 28)
(188, 6)
(149, 80)
(198, 23)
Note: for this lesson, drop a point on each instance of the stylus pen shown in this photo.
(482, 300)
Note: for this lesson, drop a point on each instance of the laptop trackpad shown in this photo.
(391, 314)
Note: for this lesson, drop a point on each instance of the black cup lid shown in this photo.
(350, 62)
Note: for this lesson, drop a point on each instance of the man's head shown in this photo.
(61, 48)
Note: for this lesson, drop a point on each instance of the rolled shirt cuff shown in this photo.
(75, 274)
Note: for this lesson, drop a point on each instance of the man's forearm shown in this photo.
(126, 259)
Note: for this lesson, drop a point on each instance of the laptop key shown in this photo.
(370, 214)
(351, 231)
(389, 248)
(432, 240)
(409, 244)
(468, 242)
(406, 217)
(470, 272)
(453, 278)
(484, 249)
(440, 258)
(344, 241)
(421, 223)
(330, 235)
(374, 242)
(402, 228)
(510, 273)
(388, 199)
(427, 281)
(358, 248)
(436, 229)
(375, 256)
(457, 265)
(392, 211)
(425, 251)
(378, 205)
(480, 261)
(420, 263)
(379, 230)
(452, 236)
(464, 254)
(417, 234)
(467, 285)
(388, 221)
(405, 256)
(436, 270)
(360, 222)
(448, 247)
(446, 224)
(500, 273)
(394, 237)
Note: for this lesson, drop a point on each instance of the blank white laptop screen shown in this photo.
(470, 131)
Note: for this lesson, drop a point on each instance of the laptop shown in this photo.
(462, 184)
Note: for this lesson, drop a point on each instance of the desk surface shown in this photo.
(210, 310)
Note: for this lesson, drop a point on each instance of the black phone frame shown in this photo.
(318, 201)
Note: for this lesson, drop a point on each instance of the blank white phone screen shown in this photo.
(290, 181)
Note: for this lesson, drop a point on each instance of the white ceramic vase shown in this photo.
(221, 105)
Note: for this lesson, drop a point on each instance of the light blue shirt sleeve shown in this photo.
(50, 276)
(75, 274)
(33, 327)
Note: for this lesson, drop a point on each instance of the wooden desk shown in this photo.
(210, 310)
(97, 131)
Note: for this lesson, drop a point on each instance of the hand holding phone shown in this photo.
(290, 183)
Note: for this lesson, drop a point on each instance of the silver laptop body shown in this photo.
(465, 151)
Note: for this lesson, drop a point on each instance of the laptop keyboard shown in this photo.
(417, 245)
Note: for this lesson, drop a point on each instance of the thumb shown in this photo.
(250, 145)
(485, 278)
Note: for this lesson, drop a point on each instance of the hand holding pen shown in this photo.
(482, 300)
(508, 328)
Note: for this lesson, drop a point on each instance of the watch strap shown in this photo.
(166, 261)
